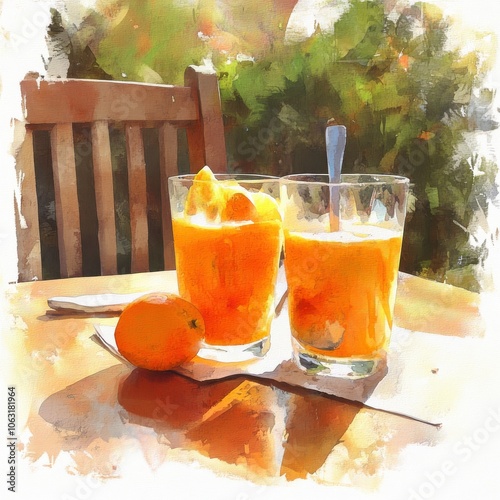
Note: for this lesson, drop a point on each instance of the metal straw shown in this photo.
(335, 146)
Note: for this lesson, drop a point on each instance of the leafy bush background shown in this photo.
(411, 105)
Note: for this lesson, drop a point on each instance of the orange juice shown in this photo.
(228, 271)
(342, 288)
(227, 240)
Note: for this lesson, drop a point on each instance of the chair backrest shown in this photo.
(57, 106)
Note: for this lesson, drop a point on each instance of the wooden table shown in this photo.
(88, 424)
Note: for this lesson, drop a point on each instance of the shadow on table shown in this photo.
(262, 425)
(257, 429)
(262, 428)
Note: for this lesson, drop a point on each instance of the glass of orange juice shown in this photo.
(342, 246)
(227, 240)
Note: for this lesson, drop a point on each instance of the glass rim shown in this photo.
(222, 176)
(324, 180)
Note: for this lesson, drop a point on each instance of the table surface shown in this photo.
(84, 414)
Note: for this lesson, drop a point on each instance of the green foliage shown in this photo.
(157, 36)
(401, 93)
(397, 97)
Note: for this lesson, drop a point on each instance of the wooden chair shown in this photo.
(58, 105)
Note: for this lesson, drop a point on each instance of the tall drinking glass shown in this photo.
(227, 240)
(342, 268)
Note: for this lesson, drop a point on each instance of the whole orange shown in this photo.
(159, 331)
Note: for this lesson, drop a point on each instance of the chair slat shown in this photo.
(81, 101)
(104, 196)
(168, 168)
(27, 228)
(66, 200)
(138, 202)
(206, 135)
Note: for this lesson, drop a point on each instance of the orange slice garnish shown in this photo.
(204, 195)
(227, 201)
(239, 207)
(267, 206)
